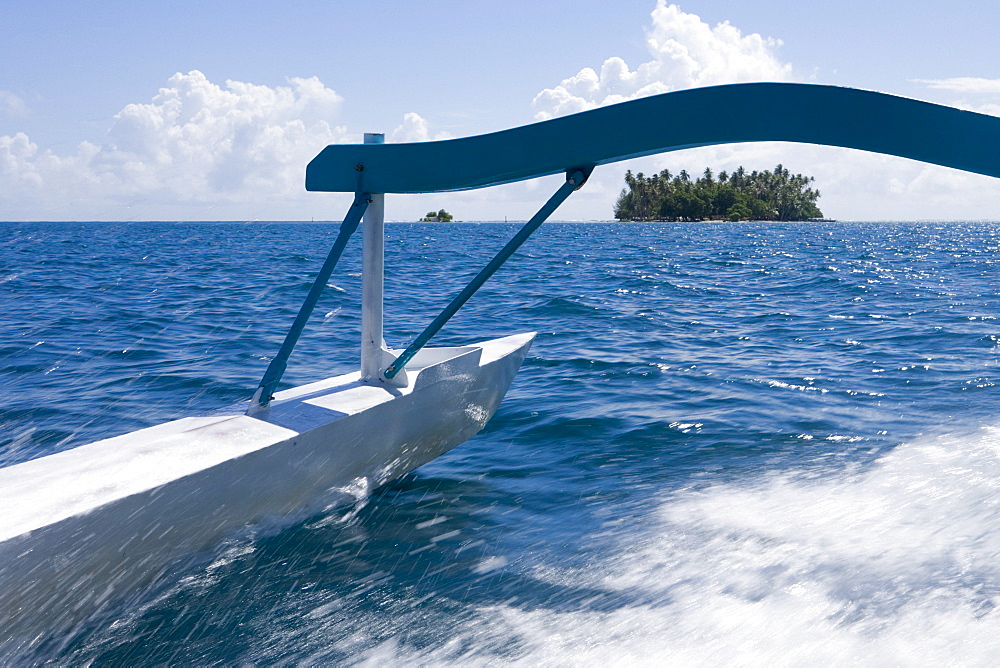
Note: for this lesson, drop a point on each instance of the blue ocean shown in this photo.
(731, 443)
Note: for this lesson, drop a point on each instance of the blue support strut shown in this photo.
(574, 179)
(277, 366)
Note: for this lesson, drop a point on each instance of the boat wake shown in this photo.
(893, 564)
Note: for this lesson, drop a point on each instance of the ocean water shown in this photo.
(735, 443)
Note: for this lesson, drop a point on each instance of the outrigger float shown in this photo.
(82, 527)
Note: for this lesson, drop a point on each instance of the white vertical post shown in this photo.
(372, 280)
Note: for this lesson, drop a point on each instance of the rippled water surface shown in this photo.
(739, 443)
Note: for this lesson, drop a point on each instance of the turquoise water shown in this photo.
(730, 442)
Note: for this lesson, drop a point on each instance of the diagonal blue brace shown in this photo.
(276, 368)
(574, 180)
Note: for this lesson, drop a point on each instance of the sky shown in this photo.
(210, 110)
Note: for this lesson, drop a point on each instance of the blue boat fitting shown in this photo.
(276, 368)
(806, 113)
(574, 180)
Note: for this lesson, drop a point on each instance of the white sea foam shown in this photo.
(896, 564)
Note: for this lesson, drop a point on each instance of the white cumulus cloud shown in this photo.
(973, 85)
(414, 128)
(195, 143)
(12, 105)
(686, 53)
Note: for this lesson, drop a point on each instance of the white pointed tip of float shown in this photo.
(108, 516)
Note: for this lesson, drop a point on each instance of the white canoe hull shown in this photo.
(82, 527)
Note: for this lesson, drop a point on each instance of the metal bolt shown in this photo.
(359, 168)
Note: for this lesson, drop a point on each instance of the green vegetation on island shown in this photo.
(767, 195)
(441, 216)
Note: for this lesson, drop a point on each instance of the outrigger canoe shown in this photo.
(81, 528)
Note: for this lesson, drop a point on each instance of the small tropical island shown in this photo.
(768, 195)
(441, 216)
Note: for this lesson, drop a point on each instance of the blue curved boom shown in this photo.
(805, 113)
